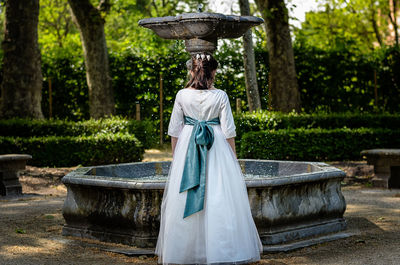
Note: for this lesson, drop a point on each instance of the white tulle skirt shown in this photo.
(224, 231)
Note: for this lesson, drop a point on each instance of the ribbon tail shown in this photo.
(195, 196)
(193, 205)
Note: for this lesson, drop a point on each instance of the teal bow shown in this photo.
(194, 172)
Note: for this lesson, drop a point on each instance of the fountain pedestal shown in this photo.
(194, 46)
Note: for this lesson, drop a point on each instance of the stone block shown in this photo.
(10, 165)
(386, 163)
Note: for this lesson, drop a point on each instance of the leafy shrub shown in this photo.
(343, 80)
(66, 75)
(272, 121)
(68, 143)
(76, 150)
(316, 144)
(145, 131)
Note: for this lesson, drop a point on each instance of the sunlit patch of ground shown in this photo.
(164, 154)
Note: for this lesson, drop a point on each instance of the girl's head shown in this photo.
(202, 71)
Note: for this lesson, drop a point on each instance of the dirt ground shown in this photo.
(30, 226)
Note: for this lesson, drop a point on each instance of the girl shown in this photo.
(205, 212)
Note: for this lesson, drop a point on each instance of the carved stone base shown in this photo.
(303, 230)
(111, 236)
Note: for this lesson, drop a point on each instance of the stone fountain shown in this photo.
(294, 204)
(290, 201)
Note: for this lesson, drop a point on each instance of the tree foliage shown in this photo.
(57, 34)
(359, 25)
(123, 34)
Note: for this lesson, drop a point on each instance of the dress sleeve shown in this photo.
(176, 122)
(226, 118)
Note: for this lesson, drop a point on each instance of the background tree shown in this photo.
(253, 96)
(283, 82)
(125, 35)
(22, 74)
(357, 25)
(90, 21)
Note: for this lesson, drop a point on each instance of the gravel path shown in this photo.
(30, 227)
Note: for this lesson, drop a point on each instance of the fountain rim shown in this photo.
(199, 17)
(79, 177)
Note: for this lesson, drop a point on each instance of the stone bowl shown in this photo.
(200, 30)
(200, 25)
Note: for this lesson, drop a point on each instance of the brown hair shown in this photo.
(202, 69)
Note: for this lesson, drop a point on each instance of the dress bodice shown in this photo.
(202, 105)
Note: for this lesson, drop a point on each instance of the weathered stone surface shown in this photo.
(386, 164)
(121, 203)
(200, 30)
(10, 165)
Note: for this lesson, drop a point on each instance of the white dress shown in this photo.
(224, 231)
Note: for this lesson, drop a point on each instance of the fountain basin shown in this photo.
(121, 203)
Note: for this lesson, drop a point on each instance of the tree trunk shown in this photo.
(91, 27)
(375, 24)
(253, 96)
(284, 88)
(393, 20)
(22, 73)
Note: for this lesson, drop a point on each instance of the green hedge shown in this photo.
(266, 135)
(145, 131)
(273, 121)
(316, 144)
(342, 80)
(76, 150)
(329, 80)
